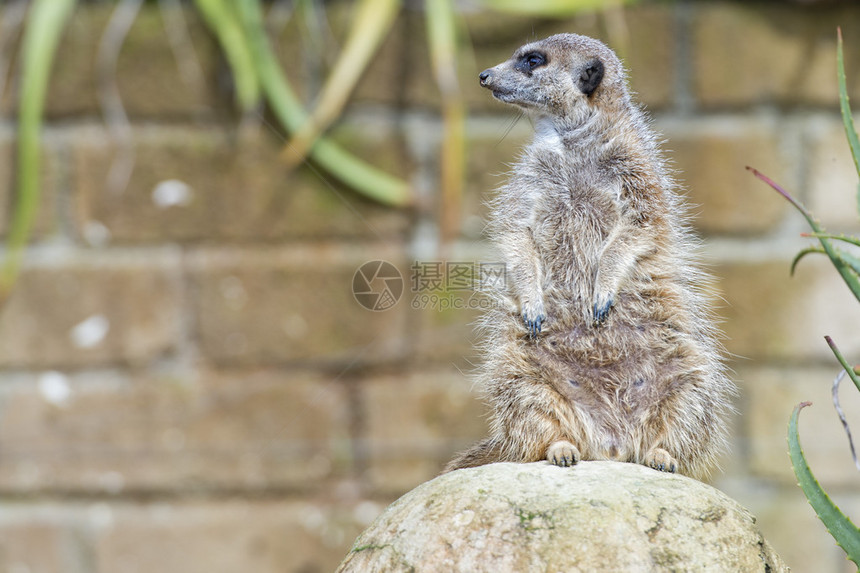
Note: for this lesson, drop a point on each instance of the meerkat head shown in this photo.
(560, 76)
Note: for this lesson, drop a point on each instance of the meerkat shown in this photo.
(603, 345)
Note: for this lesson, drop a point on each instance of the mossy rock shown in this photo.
(596, 516)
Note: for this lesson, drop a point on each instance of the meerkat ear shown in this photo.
(590, 77)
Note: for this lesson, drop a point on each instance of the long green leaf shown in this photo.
(442, 27)
(222, 19)
(845, 107)
(844, 238)
(372, 22)
(358, 175)
(852, 373)
(850, 260)
(802, 254)
(840, 527)
(45, 25)
(547, 8)
(851, 279)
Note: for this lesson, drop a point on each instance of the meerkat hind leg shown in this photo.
(661, 460)
(562, 453)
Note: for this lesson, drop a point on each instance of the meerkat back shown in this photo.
(602, 345)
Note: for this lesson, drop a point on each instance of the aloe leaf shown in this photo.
(848, 275)
(45, 25)
(847, 118)
(802, 254)
(222, 19)
(372, 22)
(360, 176)
(840, 527)
(847, 367)
(442, 27)
(839, 412)
(547, 8)
(844, 238)
(850, 260)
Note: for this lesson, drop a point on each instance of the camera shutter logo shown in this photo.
(377, 285)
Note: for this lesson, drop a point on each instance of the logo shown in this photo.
(377, 285)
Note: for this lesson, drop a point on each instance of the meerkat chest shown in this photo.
(577, 211)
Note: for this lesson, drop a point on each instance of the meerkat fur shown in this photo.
(602, 344)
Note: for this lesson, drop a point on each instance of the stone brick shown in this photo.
(711, 157)
(105, 433)
(84, 313)
(50, 173)
(227, 190)
(265, 536)
(445, 332)
(771, 316)
(833, 179)
(756, 53)
(147, 74)
(493, 148)
(278, 307)
(649, 47)
(771, 394)
(31, 545)
(416, 423)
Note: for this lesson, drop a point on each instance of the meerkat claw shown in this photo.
(660, 460)
(601, 311)
(534, 326)
(562, 453)
(534, 318)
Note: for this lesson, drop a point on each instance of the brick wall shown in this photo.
(188, 385)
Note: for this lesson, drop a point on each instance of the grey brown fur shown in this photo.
(603, 345)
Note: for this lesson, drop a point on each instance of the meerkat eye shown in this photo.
(531, 61)
(590, 77)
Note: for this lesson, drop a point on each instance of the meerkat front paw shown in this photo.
(602, 303)
(562, 453)
(661, 460)
(534, 316)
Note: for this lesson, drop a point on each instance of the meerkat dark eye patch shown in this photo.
(530, 61)
(590, 77)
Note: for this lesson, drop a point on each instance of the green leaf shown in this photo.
(221, 17)
(848, 275)
(847, 118)
(360, 176)
(442, 36)
(372, 22)
(852, 373)
(840, 527)
(802, 254)
(844, 238)
(549, 8)
(850, 260)
(45, 24)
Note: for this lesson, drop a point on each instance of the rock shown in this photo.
(596, 516)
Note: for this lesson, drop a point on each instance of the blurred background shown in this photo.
(187, 379)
